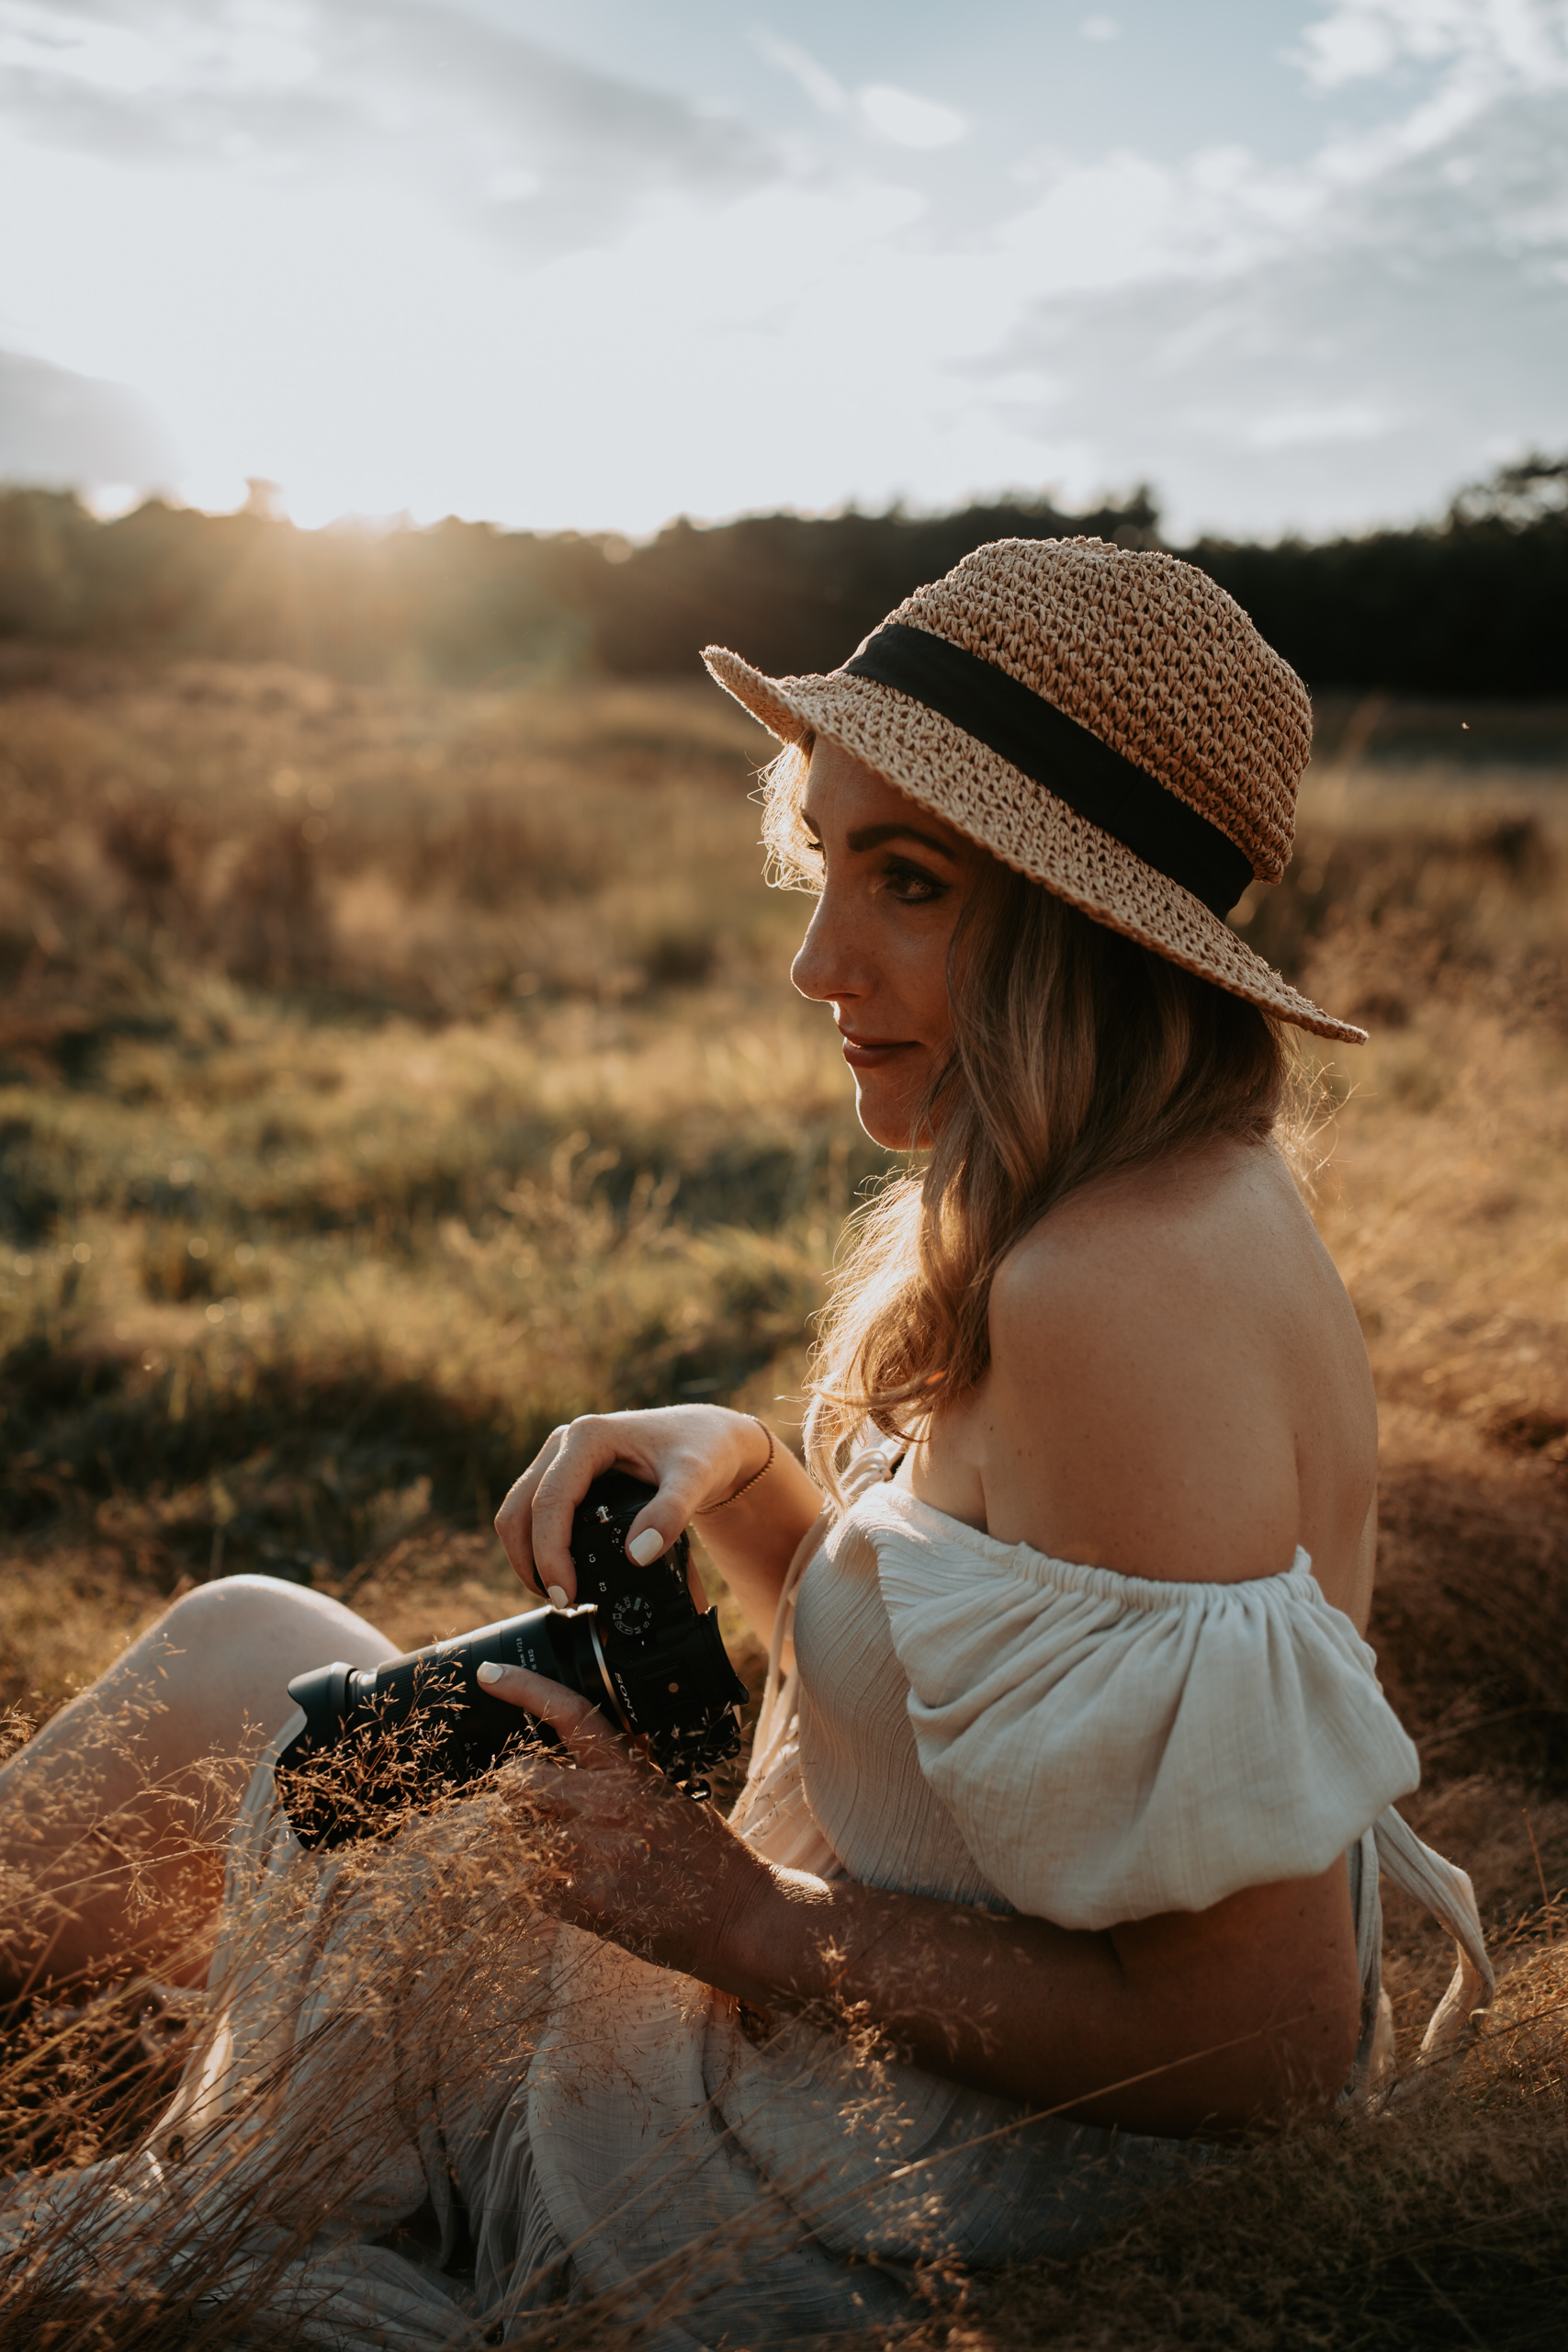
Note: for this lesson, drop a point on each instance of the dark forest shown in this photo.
(1472, 604)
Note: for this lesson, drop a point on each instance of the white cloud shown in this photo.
(895, 114)
(824, 92)
(1351, 363)
(61, 428)
(1347, 46)
(909, 120)
(1301, 428)
(420, 96)
(514, 184)
(1359, 39)
(1126, 219)
(114, 50)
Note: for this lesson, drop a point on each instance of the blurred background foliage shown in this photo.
(386, 1074)
(1472, 605)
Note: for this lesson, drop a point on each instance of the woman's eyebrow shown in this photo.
(872, 836)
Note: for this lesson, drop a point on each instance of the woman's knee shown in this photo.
(229, 1609)
(267, 1623)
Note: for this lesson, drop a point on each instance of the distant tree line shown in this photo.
(1474, 604)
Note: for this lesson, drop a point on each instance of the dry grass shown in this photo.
(305, 1250)
(384, 1076)
(1436, 2222)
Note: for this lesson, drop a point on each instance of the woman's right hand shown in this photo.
(694, 1455)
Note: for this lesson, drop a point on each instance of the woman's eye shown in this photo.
(912, 885)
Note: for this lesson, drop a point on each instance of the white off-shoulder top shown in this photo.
(975, 1721)
(1105, 1746)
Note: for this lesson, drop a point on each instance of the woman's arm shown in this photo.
(1213, 2021)
(696, 1455)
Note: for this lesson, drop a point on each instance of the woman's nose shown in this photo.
(822, 968)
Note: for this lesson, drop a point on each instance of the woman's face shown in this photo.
(894, 880)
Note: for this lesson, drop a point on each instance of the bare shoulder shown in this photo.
(1175, 1367)
(1214, 1231)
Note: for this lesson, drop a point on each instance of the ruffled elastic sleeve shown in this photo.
(1111, 1747)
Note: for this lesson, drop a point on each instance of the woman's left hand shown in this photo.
(638, 1862)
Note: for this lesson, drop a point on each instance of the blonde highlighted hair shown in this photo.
(1075, 1052)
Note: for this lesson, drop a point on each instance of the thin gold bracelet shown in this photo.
(708, 1508)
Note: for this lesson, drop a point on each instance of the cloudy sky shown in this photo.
(593, 263)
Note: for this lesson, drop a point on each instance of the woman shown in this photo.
(1057, 1864)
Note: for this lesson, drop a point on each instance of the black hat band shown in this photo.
(1069, 759)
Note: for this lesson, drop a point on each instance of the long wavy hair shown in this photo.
(1075, 1052)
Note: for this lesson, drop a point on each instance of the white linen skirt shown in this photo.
(424, 2113)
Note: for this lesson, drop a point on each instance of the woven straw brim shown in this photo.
(986, 798)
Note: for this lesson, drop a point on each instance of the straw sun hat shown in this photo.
(1106, 721)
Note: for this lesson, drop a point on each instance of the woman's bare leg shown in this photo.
(113, 1819)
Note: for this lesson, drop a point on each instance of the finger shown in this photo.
(657, 1525)
(514, 1519)
(592, 1444)
(575, 1720)
(683, 1489)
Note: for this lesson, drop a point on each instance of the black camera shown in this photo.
(380, 1741)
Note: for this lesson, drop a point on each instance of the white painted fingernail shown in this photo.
(489, 1671)
(644, 1548)
(558, 1593)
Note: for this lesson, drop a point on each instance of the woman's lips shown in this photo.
(875, 1053)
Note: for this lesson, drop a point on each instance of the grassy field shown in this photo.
(386, 1075)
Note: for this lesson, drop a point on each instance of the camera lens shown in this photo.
(377, 1740)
